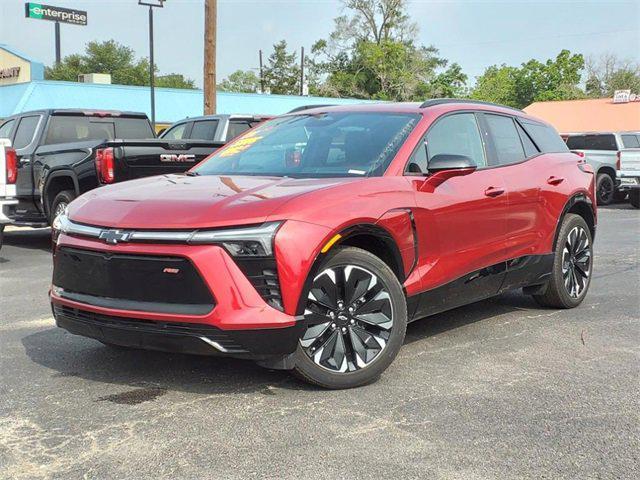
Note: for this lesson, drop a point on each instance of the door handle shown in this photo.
(555, 180)
(25, 161)
(494, 191)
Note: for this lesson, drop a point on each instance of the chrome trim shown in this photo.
(262, 233)
(215, 345)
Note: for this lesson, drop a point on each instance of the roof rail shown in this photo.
(442, 101)
(308, 107)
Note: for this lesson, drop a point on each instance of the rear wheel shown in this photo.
(572, 265)
(605, 188)
(356, 316)
(60, 203)
(634, 198)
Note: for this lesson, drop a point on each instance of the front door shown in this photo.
(460, 222)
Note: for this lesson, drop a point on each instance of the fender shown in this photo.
(50, 175)
(574, 200)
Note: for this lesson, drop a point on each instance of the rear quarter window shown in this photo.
(545, 137)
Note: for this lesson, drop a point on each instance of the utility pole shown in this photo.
(301, 71)
(57, 33)
(210, 28)
(261, 73)
(152, 82)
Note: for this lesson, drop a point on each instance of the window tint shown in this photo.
(629, 141)
(600, 142)
(456, 135)
(176, 133)
(529, 148)
(204, 130)
(5, 129)
(25, 132)
(505, 139)
(545, 137)
(236, 128)
(71, 128)
(576, 142)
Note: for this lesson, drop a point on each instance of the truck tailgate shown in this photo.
(144, 158)
(630, 161)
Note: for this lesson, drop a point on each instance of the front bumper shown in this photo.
(240, 323)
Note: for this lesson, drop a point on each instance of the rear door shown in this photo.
(24, 143)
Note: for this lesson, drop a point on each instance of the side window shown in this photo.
(176, 133)
(456, 134)
(605, 142)
(204, 130)
(629, 141)
(418, 162)
(5, 129)
(546, 138)
(25, 132)
(529, 148)
(505, 139)
(236, 128)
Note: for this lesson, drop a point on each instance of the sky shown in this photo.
(474, 34)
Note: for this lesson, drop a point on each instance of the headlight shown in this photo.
(241, 242)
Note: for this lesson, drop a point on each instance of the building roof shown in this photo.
(172, 104)
(592, 115)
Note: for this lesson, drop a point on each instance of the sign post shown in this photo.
(58, 15)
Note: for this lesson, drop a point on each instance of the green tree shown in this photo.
(282, 73)
(113, 58)
(372, 53)
(555, 79)
(240, 81)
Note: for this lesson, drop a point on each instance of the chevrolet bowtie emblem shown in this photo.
(114, 237)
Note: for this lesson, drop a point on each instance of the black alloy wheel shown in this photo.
(356, 321)
(572, 265)
(605, 189)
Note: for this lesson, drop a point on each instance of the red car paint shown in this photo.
(444, 226)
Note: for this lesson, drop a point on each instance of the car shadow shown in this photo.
(73, 356)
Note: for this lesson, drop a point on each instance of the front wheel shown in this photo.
(356, 319)
(572, 265)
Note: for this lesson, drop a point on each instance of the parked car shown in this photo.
(601, 151)
(7, 183)
(312, 240)
(64, 153)
(629, 174)
(218, 128)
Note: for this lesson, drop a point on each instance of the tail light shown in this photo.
(105, 165)
(11, 165)
(618, 154)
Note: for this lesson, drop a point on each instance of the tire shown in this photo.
(349, 344)
(572, 265)
(60, 202)
(634, 198)
(1, 236)
(605, 189)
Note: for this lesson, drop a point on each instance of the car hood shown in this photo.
(184, 202)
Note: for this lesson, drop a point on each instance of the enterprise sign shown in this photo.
(55, 14)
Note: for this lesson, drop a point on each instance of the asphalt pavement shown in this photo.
(499, 389)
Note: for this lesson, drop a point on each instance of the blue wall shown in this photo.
(171, 104)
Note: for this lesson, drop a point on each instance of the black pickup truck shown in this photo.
(61, 154)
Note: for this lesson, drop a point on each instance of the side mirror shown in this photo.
(445, 161)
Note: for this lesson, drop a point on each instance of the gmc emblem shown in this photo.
(172, 157)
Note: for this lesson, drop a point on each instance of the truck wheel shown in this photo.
(634, 198)
(60, 203)
(572, 266)
(604, 189)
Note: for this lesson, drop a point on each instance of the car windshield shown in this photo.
(334, 144)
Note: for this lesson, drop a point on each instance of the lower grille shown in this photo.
(136, 281)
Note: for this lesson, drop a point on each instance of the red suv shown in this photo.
(312, 240)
